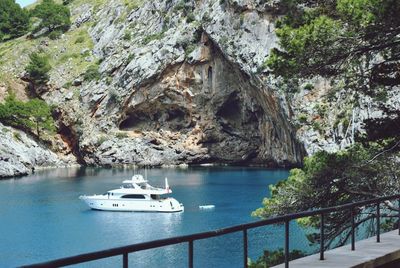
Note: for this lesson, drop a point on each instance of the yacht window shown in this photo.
(133, 196)
(155, 196)
(127, 185)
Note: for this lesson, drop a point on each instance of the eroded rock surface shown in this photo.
(21, 155)
(179, 90)
(184, 82)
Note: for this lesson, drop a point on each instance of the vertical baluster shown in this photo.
(125, 260)
(378, 223)
(245, 248)
(287, 244)
(353, 239)
(321, 250)
(399, 215)
(191, 254)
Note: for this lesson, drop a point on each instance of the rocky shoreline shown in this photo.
(21, 155)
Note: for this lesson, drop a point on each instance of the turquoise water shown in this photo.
(43, 219)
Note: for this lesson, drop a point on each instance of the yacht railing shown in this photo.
(190, 239)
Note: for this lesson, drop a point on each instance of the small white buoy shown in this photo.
(207, 207)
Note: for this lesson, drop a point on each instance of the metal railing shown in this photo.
(125, 250)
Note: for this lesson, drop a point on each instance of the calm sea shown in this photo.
(41, 217)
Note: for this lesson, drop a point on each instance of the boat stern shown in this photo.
(175, 206)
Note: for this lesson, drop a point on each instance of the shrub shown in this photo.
(38, 67)
(127, 36)
(189, 49)
(121, 135)
(67, 85)
(381, 96)
(17, 136)
(55, 35)
(317, 126)
(114, 96)
(179, 6)
(272, 258)
(80, 40)
(206, 18)
(302, 118)
(190, 17)
(321, 109)
(152, 37)
(130, 58)
(109, 80)
(133, 4)
(308, 86)
(101, 140)
(92, 73)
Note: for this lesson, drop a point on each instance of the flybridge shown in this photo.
(190, 239)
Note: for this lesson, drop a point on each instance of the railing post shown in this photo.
(125, 260)
(245, 248)
(191, 254)
(321, 250)
(378, 223)
(353, 239)
(287, 244)
(399, 215)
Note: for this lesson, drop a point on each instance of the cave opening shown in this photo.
(169, 119)
(231, 109)
(133, 121)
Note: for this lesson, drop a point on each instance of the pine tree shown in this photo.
(38, 67)
(33, 116)
(14, 21)
(54, 16)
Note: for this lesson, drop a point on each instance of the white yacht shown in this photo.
(135, 195)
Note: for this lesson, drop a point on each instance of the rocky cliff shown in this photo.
(178, 85)
(184, 82)
(21, 155)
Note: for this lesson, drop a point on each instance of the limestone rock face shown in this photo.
(332, 119)
(21, 155)
(180, 83)
(181, 88)
(184, 82)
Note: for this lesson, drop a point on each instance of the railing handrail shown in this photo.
(124, 250)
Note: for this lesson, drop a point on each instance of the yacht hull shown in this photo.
(109, 204)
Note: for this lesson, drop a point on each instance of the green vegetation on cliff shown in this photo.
(357, 43)
(357, 40)
(38, 67)
(33, 116)
(14, 21)
(68, 53)
(53, 16)
(329, 179)
(272, 258)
